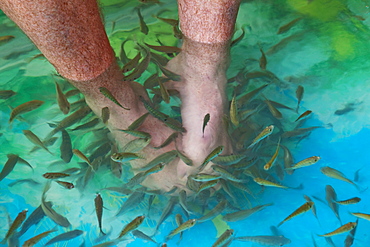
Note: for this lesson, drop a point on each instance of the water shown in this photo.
(326, 52)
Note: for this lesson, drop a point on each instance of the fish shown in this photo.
(299, 94)
(55, 175)
(351, 236)
(264, 133)
(63, 103)
(237, 40)
(136, 133)
(70, 120)
(241, 187)
(35, 140)
(352, 200)
(263, 60)
(169, 139)
(140, 68)
(184, 226)
(6, 94)
(98, 201)
(297, 132)
(206, 185)
(348, 108)
(132, 63)
(224, 238)
(213, 154)
(203, 177)
(66, 147)
(164, 92)
(234, 112)
(5, 39)
(9, 165)
(362, 216)
(168, 73)
(288, 26)
(143, 27)
(162, 158)
(134, 199)
(244, 99)
(225, 174)
(21, 181)
(32, 241)
(110, 96)
(264, 182)
(140, 234)
(36, 216)
(305, 114)
(286, 41)
(206, 119)
(166, 49)
(132, 225)
(345, 228)
(243, 214)
(271, 162)
(25, 107)
(302, 209)
(166, 211)
(14, 226)
(333, 173)
(214, 212)
(172, 22)
(80, 155)
(266, 240)
(138, 122)
(273, 110)
(66, 185)
(50, 212)
(65, 236)
(313, 208)
(306, 162)
(105, 114)
(179, 222)
(124, 157)
(87, 125)
(136, 145)
(331, 197)
(228, 159)
(185, 158)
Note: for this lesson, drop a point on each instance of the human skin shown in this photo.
(71, 36)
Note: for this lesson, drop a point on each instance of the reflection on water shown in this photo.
(296, 56)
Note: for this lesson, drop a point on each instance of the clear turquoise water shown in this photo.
(330, 60)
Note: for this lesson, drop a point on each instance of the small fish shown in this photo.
(134, 199)
(228, 159)
(234, 112)
(9, 165)
(164, 92)
(140, 68)
(110, 96)
(25, 107)
(206, 119)
(264, 182)
(143, 27)
(345, 228)
(302, 209)
(347, 108)
(21, 181)
(215, 152)
(266, 240)
(225, 174)
(35, 217)
(299, 94)
(206, 185)
(87, 125)
(32, 241)
(184, 226)
(214, 212)
(305, 114)
(80, 155)
(132, 63)
(288, 26)
(65, 236)
(136, 133)
(166, 49)
(313, 208)
(265, 133)
(362, 216)
(172, 22)
(271, 162)
(140, 234)
(6, 94)
(166, 211)
(274, 111)
(66, 147)
(333, 173)
(132, 226)
(179, 222)
(263, 60)
(237, 40)
(306, 162)
(298, 132)
(244, 99)
(55, 175)
(14, 226)
(99, 210)
(35, 139)
(168, 73)
(63, 103)
(124, 157)
(5, 39)
(242, 214)
(351, 236)
(353, 200)
(331, 197)
(66, 185)
(203, 177)
(170, 139)
(224, 238)
(138, 122)
(185, 158)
